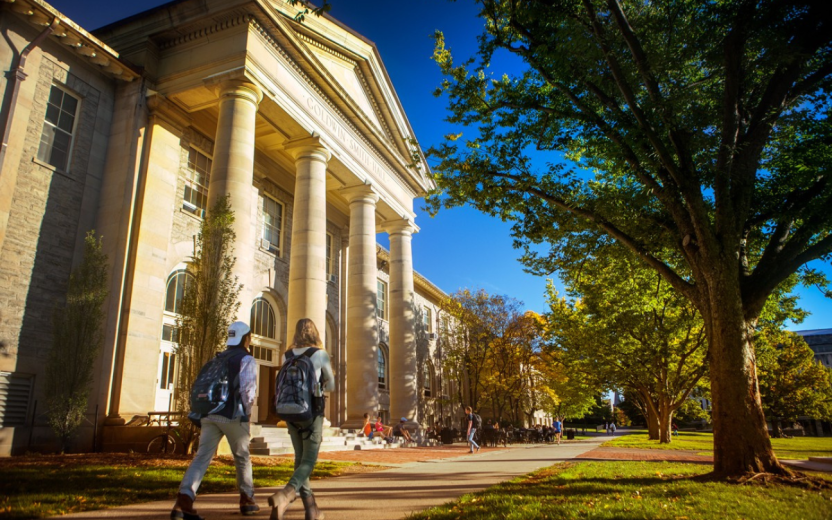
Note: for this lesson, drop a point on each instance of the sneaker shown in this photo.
(478, 449)
(248, 506)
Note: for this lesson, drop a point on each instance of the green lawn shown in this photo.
(794, 448)
(33, 487)
(632, 490)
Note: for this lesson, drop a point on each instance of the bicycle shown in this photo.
(168, 442)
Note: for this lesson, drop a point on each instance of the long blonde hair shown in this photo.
(306, 334)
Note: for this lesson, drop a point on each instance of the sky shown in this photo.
(459, 248)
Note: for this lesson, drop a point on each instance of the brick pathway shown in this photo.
(641, 454)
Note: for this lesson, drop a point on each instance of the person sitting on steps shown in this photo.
(400, 431)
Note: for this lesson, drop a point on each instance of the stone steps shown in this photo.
(272, 440)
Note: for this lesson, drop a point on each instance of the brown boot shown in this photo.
(280, 501)
(247, 505)
(183, 509)
(312, 511)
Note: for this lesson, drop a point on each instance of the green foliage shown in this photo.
(309, 7)
(210, 299)
(630, 490)
(624, 326)
(77, 338)
(792, 383)
(693, 134)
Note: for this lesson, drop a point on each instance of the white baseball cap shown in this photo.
(236, 331)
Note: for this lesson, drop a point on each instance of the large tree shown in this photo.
(700, 132)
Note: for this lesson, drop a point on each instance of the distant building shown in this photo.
(820, 341)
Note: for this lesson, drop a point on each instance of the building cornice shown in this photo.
(86, 46)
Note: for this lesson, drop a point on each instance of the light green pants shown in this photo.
(306, 446)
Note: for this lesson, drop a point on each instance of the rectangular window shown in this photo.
(328, 255)
(168, 369)
(272, 223)
(381, 300)
(427, 319)
(197, 176)
(58, 127)
(263, 353)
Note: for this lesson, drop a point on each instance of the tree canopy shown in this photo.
(693, 133)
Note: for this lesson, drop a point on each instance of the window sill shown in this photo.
(271, 252)
(191, 214)
(52, 168)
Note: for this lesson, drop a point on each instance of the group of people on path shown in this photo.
(233, 422)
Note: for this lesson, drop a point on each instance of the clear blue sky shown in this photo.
(460, 247)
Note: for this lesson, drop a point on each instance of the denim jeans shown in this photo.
(306, 447)
(471, 439)
(238, 436)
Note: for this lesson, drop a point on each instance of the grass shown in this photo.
(38, 486)
(632, 490)
(800, 448)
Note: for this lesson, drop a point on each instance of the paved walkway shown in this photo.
(382, 495)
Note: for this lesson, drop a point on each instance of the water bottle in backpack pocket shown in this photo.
(298, 395)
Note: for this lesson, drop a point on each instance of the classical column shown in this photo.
(232, 174)
(307, 262)
(404, 389)
(362, 290)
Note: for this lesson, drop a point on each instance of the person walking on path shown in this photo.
(558, 426)
(232, 421)
(471, 429)
(306, 436)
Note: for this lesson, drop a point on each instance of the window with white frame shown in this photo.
(381, 300)
(263, 322)
(262, 318)
(272, 223)
(58, 128)
(427, 318)
(178, 283)
(197, 176)
(427, 384)
(382, 366)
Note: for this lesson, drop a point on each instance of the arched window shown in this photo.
(427, 384)
(262, 319)
(382, 367)
(178, 282)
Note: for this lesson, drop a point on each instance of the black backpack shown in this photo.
(213, 386)
(296, 387)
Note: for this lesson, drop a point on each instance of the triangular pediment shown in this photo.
(348, 76)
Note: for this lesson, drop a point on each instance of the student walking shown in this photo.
(232, 421)
(306, 435)
(472, 429)
(558, 426)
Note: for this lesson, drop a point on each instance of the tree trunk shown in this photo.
(665, 420)
(652, 425)
(741, 442)
(776, 428)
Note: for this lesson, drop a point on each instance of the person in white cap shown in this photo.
(232, 421)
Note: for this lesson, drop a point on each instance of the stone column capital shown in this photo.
(311, 148)
(239, 89)
(363, 193)
(404, 226)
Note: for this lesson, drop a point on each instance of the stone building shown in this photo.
(134, 131)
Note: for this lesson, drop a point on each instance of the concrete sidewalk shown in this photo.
(381, 495)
